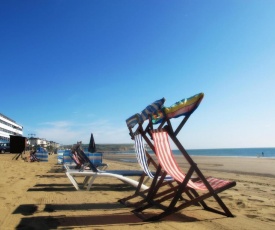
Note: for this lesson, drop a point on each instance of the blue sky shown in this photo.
(69, 68)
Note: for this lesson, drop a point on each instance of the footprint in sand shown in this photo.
(252, 216)
(240, 203)
(229, 198)
(256, 200)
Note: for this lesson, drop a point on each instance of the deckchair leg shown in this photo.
(141, 180)
(223, 206)
(86, 180)
(73, 181)
(91, 182)
(156, 184)
(151, 190)
(125, 202)
(201, 199)
(136, 194)
(176, 196)
(170, 210)
(195, 195)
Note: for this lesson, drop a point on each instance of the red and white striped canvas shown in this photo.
(169, 164)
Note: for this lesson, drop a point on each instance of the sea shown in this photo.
(232, 152)
(227, 152)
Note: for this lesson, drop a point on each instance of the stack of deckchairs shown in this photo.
(87, 169)
(185, 188)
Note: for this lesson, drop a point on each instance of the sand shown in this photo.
(38, 195)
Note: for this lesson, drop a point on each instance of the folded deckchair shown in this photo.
(197, 189)
(81, 163)
(96, 156)
(94, 172)
(84, 162)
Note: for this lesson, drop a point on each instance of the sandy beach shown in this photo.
(38, 195)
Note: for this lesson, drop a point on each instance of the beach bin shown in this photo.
(60, 156)
(42, 154)
(67, 159)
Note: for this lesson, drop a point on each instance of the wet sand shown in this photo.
(38, 195)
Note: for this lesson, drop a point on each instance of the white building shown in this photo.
(9, 127)
(34, 141)
(38, 141)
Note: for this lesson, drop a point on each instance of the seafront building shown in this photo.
(42, 142)
(8, 127)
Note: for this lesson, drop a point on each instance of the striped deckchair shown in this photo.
(194, 184)
(207, 186)
(142, 156)
(144, 159)
(157, 114)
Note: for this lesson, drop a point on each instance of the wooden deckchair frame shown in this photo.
(175, 193)
(150, 161)
(196, 199)
(161, 176)
(146, 134)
